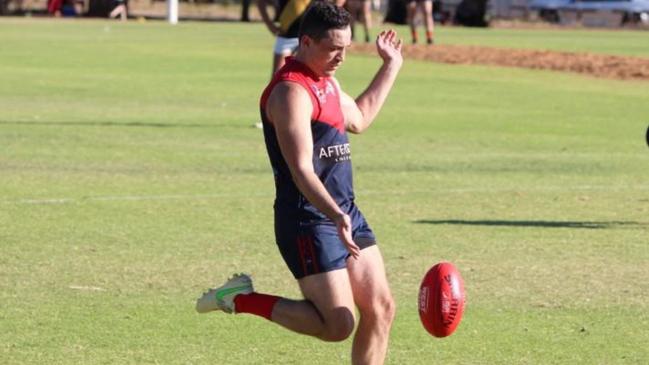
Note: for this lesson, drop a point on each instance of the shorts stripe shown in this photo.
(307, 254)
(316, 269)
(300, 247)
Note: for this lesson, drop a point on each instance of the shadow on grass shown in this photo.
(536, 224)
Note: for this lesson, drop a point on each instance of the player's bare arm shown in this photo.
(262, 6)
(360, 113)
(289, 108)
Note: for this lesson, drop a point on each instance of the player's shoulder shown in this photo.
(288, 99)
(287, 92)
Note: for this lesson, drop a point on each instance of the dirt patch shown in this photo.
(607, 66)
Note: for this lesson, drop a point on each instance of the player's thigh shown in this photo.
(369, 281)
(412, 12)
(367, 7)
(331, 293)
(353, 5)
(278, 61)
(427, 6)
(411, 7)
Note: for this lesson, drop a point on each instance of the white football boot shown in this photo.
(222, 298)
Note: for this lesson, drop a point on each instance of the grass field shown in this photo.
(131, 180)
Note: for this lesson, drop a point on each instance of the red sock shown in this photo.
(429, 36)
(255, 303)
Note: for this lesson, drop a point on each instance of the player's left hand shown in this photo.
(344, 226)
(389, 46)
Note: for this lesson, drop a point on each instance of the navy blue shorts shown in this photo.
(314, 247)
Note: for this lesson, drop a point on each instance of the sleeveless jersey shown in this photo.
(331, 152)
(290, 14)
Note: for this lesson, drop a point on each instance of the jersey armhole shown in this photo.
(340, 99)
(315, 107)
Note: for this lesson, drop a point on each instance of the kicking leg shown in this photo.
(331, 296)
(326, 313)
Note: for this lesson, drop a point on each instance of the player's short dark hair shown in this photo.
(322, 16)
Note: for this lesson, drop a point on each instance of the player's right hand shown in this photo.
(344, 226)
(275, 30)
(389, 46)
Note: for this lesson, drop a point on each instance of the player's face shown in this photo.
(328, 54)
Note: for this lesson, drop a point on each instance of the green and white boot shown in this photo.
(222, 298)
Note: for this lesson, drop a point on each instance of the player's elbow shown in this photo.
(352, 128)
(357, 127)
(359, 121)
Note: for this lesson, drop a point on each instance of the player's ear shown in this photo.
(305, 40)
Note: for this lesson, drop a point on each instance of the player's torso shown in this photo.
(331, 149)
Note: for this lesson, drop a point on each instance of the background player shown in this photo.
(290, 14)
(425, 7)
(361, 10)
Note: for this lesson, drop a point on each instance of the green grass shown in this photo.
(130, 180)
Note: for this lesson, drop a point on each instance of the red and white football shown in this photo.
(441, 299)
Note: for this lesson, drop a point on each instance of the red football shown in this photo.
(441, 299)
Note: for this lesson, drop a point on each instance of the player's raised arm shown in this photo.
(289, 107)
(360, 113)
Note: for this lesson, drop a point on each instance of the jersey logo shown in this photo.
(337, 153)
(321, 94)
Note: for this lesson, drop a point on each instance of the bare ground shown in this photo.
(597, 65)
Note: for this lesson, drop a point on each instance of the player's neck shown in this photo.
(303, 59)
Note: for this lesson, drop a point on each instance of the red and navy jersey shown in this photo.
(331, 152)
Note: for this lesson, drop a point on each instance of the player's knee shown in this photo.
(339, 326)
(389, 308)
(381, 311)
(386, 309)
(339, 331)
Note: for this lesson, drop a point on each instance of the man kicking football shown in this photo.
(321, 234)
